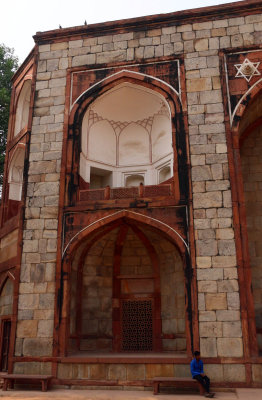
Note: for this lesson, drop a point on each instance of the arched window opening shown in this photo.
(125, 130)
(22, 108)
(15, 176)
(251, 164)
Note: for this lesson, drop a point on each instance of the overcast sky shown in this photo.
(20, 20)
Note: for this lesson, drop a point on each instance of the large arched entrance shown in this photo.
(126, 278)
(126, 290)
(250, 139)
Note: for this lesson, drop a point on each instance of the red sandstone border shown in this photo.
(14, 264)
(239, 211)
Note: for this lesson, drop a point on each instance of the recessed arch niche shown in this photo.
(127, 130)
(250, 138)
(22, 108)
(15, 175)
(127, 291)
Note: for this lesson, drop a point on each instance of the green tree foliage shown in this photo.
(8, 65)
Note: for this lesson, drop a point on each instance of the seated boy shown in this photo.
(197, 371)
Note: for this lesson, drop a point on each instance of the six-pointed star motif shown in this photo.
(247, 69)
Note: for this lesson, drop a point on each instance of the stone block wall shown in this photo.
(141, 372)
(172, 296)
(135, 259)
(172, 286)
(97, 295)
(200, 43)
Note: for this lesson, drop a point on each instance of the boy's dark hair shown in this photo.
(196, 353)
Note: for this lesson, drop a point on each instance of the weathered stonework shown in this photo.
(209, 235)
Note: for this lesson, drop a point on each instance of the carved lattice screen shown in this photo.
(137, 325)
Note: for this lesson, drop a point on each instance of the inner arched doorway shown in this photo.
(127, 291)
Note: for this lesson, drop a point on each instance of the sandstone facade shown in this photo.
(202, 223)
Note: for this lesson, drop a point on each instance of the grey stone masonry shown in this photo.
(219, 315)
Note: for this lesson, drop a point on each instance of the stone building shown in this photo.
(131, 220)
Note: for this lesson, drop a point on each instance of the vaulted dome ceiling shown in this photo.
(127, 103)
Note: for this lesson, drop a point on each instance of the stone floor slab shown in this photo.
(61, 394)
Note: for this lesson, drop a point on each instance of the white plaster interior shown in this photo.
(128, 102)
(22, 108)
(126, 132)
(134, 180)
(134, 147)
(15, 176)
(102, 143)
(160, 136)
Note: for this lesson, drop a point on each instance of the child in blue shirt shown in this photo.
(197, 371)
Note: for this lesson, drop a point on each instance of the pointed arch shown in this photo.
(81, 170)
(78, 248)
(22, 107)
(167, 230)
(15, 173)
(7, 275)
(251, 94)
(102, 86)
(127, 74)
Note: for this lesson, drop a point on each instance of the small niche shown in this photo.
(100, 178)
(164, 174)
(134, 180)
